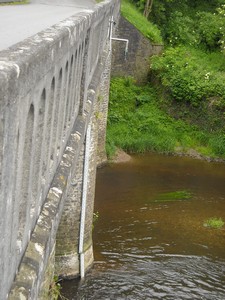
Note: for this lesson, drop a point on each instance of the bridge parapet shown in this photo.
(45, 105)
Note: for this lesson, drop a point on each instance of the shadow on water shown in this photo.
(150, 249)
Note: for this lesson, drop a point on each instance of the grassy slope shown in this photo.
(148, 29)
(137, 122)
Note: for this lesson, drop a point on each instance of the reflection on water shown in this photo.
(156, 250)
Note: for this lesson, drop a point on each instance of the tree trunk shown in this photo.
(148, 8)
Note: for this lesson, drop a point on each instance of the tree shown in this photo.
(148, 8)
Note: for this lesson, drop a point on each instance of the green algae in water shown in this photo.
(216, 223)
(173, 196)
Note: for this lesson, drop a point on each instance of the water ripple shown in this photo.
(175, 277)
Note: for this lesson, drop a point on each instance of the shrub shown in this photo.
(211, 29)
(190, 75)
(181, 30)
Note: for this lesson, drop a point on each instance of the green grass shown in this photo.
(215, 223)
(137, 124)
(148, 29)
(15, 3)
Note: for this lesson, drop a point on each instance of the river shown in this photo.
(147, 246)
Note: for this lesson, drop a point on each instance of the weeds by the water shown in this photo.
(136, 123)
(215, 223)
(95, 218)
(174, 196)
(55, 290)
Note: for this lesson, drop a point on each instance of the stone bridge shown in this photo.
(53, 111)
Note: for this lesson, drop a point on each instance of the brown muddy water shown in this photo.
(148, 249)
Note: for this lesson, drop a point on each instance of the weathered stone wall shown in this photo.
(140, 49)
(48, 283)
(48, 98)
(102, 110)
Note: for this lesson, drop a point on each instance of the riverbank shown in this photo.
(139, 122)
(121, 156)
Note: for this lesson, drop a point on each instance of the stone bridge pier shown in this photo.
(53, 110)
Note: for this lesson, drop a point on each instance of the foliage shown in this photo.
(201, 29)
(180, 29)
(15, 3)
(136, 123)
(95, 218)
(191, 75)
(199, 23)
(55, 290)
(221, 14)
(216, 223)
(210, 28)
(148, 29)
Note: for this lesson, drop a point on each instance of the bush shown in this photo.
(191, 75)
(210, 30)
(180, 30)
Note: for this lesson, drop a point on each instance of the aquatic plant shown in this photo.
(214, 222)
(174, 196)
(55, 290)
(95, 218)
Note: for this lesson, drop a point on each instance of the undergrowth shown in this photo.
(191, 75)
(188, 109)
(136, 123)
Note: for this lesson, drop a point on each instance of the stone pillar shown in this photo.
(87, 245)
(67, 243)
(67, 258)
(45, 291)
